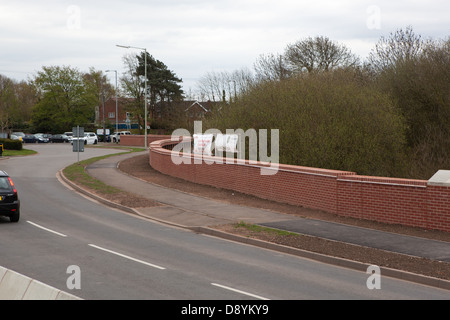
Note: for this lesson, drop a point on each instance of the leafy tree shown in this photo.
(66, 98)
(334, 120)
(16, 102)
(416, 74)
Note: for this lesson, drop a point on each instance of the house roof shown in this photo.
(198, 104)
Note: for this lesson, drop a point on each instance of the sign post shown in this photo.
(78, 143)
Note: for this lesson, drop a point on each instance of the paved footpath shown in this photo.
(186, 210)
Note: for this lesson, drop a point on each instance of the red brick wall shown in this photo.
(388, 200)
(139, 140)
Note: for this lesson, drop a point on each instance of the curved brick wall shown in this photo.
(139, 140)
(388, 200)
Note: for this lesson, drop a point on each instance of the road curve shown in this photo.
(121, 256)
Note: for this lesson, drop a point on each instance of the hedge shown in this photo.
(9, 144)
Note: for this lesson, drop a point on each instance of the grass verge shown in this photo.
(77, 173)
(18, 153)
(259, 229)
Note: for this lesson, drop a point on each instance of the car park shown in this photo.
(9, 199)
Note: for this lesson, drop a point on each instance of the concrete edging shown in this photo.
(14, 286)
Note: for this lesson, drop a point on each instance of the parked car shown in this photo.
(30, 138)
(9, 199)
(43, 138)
(59, 138)
(19, 136)
(89, 138)
(116, 136)
(14, 137)
(69, 135)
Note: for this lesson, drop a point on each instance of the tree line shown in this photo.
(388, 115)
(57, 98)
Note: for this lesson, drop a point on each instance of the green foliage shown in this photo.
(9, 144)
(334, 120)
(16, 101)
(420, 86)
(66, 99)
(389, 117)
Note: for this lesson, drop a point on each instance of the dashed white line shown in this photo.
(127, 257)
(46, 229)
(239, 291)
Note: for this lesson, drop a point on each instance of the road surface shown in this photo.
(94, 252)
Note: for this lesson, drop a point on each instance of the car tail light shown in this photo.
(12, 185)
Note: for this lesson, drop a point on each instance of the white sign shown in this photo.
(100, 132)
(226, 143)
(203, 144)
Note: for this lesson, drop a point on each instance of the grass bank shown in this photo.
(18, 153)
(77, 173)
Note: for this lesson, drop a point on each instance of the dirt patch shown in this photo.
(139, 167)
(127, 199)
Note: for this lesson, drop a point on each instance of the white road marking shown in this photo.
(239, 291)
(127, 257)
(46, 229)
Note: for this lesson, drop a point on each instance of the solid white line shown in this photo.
(239, 291)
(127, 257)
(49, 230)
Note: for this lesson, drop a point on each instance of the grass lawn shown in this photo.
(17, 153)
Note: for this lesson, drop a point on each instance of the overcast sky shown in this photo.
(193, 37)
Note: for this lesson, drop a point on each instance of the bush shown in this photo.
(420, 87)
(9, 144)
(333, 120)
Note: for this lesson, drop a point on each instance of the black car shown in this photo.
(59, 138)
(29, 138)
(9, 200)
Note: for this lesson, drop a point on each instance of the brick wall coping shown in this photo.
(158, 147)
(384, 181)
(440, 179)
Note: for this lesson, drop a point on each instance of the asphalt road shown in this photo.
(120, 256)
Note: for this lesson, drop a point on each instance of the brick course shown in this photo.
(389, 200)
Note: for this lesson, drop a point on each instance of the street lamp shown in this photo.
(146, 93)
(117, 109)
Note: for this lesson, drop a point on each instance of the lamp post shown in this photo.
(146, 91)
(117, 108)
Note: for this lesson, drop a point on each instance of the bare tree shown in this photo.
(399, 47)
(318, 54)
(224, 86)
(271, 67)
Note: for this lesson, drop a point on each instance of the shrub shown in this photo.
(334, 120)
(9, 144)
